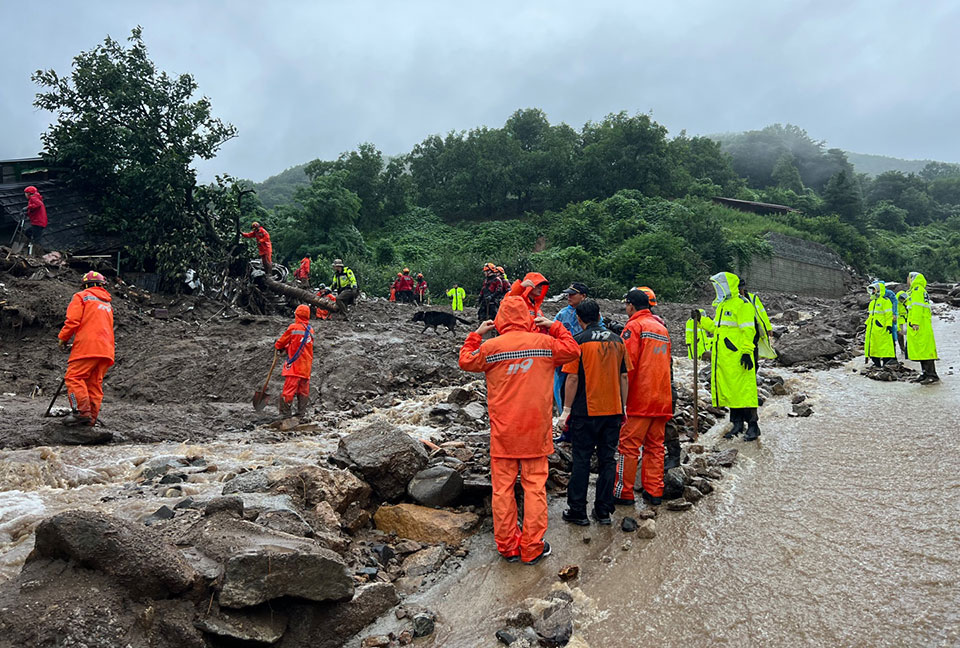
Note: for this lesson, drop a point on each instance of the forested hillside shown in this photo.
(616, 203)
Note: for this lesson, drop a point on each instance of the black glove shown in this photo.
(747, 361)
(729, 344)
(890, 330)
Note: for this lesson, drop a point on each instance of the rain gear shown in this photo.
(264, 247)
(703, 340)
(90, 323)
(456, 296)
(303, 272)
(519, 365)
(297, 340)
(878, 342)
(733, 328)
(763, 328)
(36, 210)
(533, 295)
(343, 280)
(921, 344)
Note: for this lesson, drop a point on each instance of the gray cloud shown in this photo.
(306, 79)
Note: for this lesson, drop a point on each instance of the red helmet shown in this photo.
(93, 278)
(30, 190)
(419, 275)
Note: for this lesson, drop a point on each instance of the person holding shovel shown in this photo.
(297, 340)
(89, 323)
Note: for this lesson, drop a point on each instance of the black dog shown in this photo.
(437, 318)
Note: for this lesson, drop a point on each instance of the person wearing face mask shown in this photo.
(733, 371)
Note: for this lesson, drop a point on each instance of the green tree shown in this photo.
(785, 174)
(842, 197)
(946, 190)
(127, 134)
(888, 216)
(936, 170)
(321, 221)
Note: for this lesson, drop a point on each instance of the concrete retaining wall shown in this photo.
(797, 266)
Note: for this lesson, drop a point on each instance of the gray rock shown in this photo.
(802, 410)
(157, 466)
(460, 396)
(505, 636)
(702, 485)
(473, 411)
(387, 457)
(76, 435)
(628, 524)
(795, 348)
(424, 624)
(436, 486)
(162, 513)
(312, 485)
(555, 627)
(268, 573)
(691, 494)
(255, 481)
(444, 410)
(327, 626)
(287, 521)
(424, 562)
(260, 624)
(725, 458)
(679, 505)
(673, 483)
(232, 505)
(647, 529)
(146, 565)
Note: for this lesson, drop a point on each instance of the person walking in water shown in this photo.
(519, 365)
(733, 371)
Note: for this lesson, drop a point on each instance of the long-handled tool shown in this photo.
(260, 396)
(696, 381)
(54, 399)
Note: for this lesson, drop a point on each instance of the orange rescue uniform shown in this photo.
(533, 295)
(264, 247)
(297, 340)
(519, 365)
(90, 323)
(649, 405)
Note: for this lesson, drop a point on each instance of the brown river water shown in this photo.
(842, 529)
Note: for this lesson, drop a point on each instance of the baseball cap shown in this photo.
(576, 287)
(638, 298)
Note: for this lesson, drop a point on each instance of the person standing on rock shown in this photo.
(456, 295)
(344, 283)
(733, 371)
(297, 341)
(595, 397)
(90, 324)
(879, 340)
(649, 402)
(264, 247)
(37, 213)
(519, 366)
(921, 345)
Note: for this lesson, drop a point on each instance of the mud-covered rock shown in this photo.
(673, 482)
(312, 484)
(76, 435)
(329, 626)
(423, 624)
(436, 486)
(647, 529)
(254, 481)
(287, 521)
(148, 566)
(555, 626)
(425, 524)
(261, 624)
(796, 348)
(424, 562)
(268, 573)
(387, 457)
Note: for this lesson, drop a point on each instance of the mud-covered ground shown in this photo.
(180, 433)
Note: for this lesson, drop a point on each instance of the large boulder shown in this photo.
(387, 457)
(329, 626)
(313, 484)
(795, 348)
(261, 624)
(436, 486)
(145, 564)
(425, 524)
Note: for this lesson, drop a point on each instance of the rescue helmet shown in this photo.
(499, 268)
(337, 263)
(419, 275)
(399, 274)
(652, 296)
(321, 286)
(94, 278)
(255, 224)
(406, 271)
(30, 190)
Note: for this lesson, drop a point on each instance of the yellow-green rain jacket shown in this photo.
(733, 330)
(703, 339)
(920, 342)
(344, 280)
(456, 295)
(764, 343)
(878, 341)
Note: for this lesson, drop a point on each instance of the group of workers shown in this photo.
(903, 319)
(407, 291)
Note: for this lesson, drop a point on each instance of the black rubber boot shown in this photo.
(302, 405)
(284, 408)
(735, 430)
(753, 432)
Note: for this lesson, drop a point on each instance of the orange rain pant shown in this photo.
(507, 533)
(294, 385)
(637, 432)
(84, 381)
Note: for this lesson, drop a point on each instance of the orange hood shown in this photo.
(302, 312)
(534, 295)
(513, 315)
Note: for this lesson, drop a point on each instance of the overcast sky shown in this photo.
(311, 79)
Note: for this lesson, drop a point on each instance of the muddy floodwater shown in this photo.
(842, 529)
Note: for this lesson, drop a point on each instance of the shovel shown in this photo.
(696, 382)
(54, 399)
(260, 396)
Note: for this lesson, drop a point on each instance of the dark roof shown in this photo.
(752, 206)
(68, 213)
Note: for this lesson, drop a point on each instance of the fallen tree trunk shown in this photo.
(303, 296)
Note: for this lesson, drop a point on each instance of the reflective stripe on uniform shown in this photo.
(516, 355)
